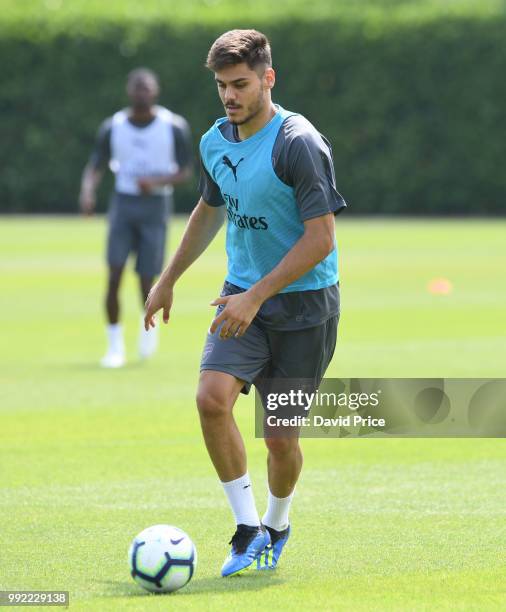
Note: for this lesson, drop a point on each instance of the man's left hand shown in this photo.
(146, 185)
(240, 309)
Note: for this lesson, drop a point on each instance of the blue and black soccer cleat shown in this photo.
(268, 558)
(247, 543)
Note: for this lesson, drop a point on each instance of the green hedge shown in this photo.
(415, 110)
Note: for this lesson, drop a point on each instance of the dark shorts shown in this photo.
(138, 224)
(262, 355)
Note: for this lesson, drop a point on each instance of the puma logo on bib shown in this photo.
(226, 160)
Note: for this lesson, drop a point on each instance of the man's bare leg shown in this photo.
(216, 397)
(112, 294)
(284, 463)
(115, 355)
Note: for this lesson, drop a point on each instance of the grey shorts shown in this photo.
(262, 355)
(138, 224)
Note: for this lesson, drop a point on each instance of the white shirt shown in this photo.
(142, 151)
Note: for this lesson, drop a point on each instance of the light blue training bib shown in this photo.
(263, 217)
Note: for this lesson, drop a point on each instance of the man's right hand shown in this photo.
(87, 202)
(160, 297)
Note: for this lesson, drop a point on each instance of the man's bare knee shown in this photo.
(212, 404)
(216, 394)
(282, 447)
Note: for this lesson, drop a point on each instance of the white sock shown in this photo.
(148, 340)
(241, 500)
(151, 330)
(115, 336)
(276, 515)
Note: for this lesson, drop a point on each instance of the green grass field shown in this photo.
(89, 457)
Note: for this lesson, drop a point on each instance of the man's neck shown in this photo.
(257, 122)
(141, 116)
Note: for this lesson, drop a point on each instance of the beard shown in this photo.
(252, 110)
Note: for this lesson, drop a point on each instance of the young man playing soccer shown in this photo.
(149, 150)
(270, 172)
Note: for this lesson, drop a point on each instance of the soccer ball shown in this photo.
(162, 559)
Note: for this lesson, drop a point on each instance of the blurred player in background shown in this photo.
(270, 172)
(149, 150)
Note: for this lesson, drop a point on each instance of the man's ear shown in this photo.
(269, 77)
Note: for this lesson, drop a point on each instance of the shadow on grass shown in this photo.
(252, 581)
